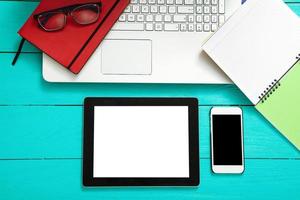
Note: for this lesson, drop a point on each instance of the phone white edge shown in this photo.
(226, 169)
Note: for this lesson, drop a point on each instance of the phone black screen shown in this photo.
(227, 140)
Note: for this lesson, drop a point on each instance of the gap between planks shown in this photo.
(203, 158)
(81, 105)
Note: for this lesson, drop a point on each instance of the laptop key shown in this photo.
(145, 9)
(199, 18)
(206, 18)
(170, 2)
(163, 9)
(172, 9)
(183, 27)
(189, 2)
(140, 18)
(214, 10)
(206, 27)
(149, 18)
(191, 18)
(149, 27)
(154, 9)
(135, 8)
(122, 18)
(206, 2)
(185, 9)
(222, 6)
(199, 2)
(168, 18)
(180, 18)
(121, 26)
(199, 9)
(158, 18)
(221, 19)
(214, 18)
(127, 9)
(158, 27)
(206, 9)
(171, 27)
(188, 13)
(131, 17)
(191, 27)
(199, 27)
(178, 2)
(214, 27)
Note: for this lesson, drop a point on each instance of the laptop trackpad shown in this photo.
(126, 57)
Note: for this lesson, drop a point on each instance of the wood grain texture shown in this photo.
(13, 15)
(57, 132)
(41, 142)
(61, 179)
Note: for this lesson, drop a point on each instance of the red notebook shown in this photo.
(73, 45)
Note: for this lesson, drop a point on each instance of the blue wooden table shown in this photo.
(41, 132)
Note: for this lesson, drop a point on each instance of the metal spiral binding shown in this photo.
(272, 87)
(269, 91)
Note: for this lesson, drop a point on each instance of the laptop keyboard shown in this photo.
(172, 15)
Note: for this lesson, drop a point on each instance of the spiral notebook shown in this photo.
(258, 48)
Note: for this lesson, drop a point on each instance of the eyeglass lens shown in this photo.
(52, 21)
(84, 15)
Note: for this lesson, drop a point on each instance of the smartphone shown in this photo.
(227, 146)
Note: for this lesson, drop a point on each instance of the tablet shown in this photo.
(141, 142)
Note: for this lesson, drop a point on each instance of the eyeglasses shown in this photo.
(55, 20)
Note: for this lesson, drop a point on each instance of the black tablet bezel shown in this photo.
(90, 103)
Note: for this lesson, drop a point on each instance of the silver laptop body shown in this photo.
(154, 41)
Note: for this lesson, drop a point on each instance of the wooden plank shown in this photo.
(295, 7)
(14, 14)
(61, 179)
(23, 84)
(56, 132)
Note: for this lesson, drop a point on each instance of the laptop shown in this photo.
(154, 41)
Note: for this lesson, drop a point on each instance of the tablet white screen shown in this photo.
(141, 141)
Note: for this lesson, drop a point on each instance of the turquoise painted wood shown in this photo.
(61, 179)
(13, 15)
(56, 132)
(41, 133)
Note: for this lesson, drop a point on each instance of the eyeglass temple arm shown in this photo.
(18, 52)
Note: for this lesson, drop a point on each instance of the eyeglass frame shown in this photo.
(67, 11)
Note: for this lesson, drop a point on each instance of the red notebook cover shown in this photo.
(73, 45)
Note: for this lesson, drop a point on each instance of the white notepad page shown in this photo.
(257, 45)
